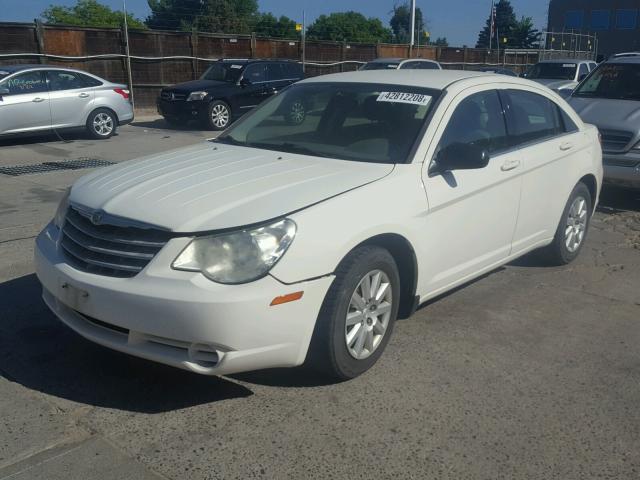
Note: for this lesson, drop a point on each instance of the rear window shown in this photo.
(616, 81)
(379, 66)
(553, 71)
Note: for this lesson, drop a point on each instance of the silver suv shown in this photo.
(39, 98)
(610, 99)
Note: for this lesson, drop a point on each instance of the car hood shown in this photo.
(212, 186)
(196, 85)
(556, 84)
(608, 113)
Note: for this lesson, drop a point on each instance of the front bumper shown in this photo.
(182, 109)
(622, 169)
(181, 318)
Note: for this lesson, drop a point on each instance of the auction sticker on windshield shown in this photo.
(402, 97)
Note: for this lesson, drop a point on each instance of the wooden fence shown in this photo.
(160, 58)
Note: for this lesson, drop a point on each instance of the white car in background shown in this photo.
(401, 64)
(35, 99)
(280, 243)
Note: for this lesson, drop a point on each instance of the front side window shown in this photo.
(60, 80)
(255, 73)
(428, 66)
(376, 123)
(616, 81)
(223, 72)
(477, 121)
(553, 71)
(531, 117)
(29, 82)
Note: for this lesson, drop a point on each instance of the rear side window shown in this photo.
(569, 126)
(292, 70)
(60, 80)
(29, 82)
(427, 66)
(531, 117)
(478, 120)
(410, 66)
(89, 81)
(583, 72)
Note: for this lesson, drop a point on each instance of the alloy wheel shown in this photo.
(576, 224)
(103, 124)
(368, 314)
(220, 116)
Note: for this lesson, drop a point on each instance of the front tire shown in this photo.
(101, 124)
(218, 115)
(358, 314)
(572, 229)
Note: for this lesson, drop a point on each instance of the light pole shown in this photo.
(126, 41)
(413, 26)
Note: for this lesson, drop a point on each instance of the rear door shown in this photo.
(26, 107)
(70, 97)
(472, 213)
(551, 148)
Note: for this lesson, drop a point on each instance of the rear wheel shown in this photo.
(101, 123)
(218, 115)
(572, 229)
(358, 314)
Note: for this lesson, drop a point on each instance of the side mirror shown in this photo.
(462, 156)
(245, 82)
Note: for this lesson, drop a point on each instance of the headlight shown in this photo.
(61, 212)
(193, 96)
(238, 257)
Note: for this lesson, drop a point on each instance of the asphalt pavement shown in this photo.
(528, 372)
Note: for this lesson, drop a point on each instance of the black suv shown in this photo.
(228, 89)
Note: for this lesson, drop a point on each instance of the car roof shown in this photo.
(565, 60)
(436, 79)
(21, 67)
(630, 59)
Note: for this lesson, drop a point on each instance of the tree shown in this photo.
(88, 13)
(220, 16)
(505, 24)
(401, 23)
(267, 25)
(441, 42)
(348, 27)
(524, 34)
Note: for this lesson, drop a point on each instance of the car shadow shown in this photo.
(618, 200)
(162, 124)
(40, 353)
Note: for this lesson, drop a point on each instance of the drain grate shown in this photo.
(78, 164)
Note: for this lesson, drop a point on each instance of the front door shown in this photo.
(253, 87)
(25, 107)
(70, 99)
(472, 213)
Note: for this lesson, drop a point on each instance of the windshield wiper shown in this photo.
(228, 140)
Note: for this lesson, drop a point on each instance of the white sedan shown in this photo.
(283, 242)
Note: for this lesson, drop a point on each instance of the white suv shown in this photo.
(280, 242)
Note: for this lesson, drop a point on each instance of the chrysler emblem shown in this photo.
(96, 217)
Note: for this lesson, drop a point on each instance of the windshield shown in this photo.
(553, 71)
(379, 66)
(223, 72)
(350, 121)
(617, 81)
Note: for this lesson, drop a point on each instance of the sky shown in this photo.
(458, 20)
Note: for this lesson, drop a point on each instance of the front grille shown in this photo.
(109, 250)
(173, 96)
(615, 140)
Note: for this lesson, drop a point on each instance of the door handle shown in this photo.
(566, 146)
(38, 100)
(510, 165)
(84, 95)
